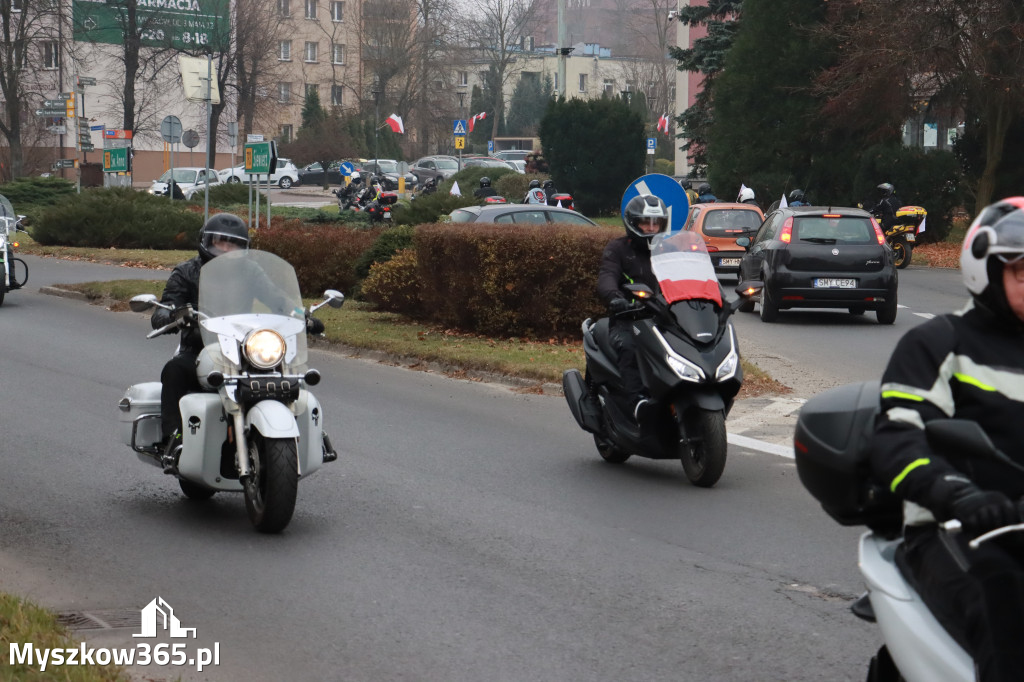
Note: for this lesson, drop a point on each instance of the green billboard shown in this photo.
(186, 25)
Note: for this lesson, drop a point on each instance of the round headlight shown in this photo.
(264, 348)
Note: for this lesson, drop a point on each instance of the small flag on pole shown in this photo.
(455, 190)
(663, 124)
(920, 230)
(395, 122)
(783, 203)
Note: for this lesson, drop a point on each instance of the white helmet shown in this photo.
(995, 237)
(746, 194)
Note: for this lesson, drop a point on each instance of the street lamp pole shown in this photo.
(462, 115)
(376, 119)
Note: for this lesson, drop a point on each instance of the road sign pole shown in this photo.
(209, 135)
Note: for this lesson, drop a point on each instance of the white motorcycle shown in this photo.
(15, 270)
(256, 428)
(830, 446)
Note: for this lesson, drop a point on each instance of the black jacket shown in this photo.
(885, 210)
(182, 287)
(624, 262)
(485, 192)
(967, 365)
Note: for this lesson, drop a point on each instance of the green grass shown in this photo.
(21, 623)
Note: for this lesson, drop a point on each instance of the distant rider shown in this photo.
(746, 196)
(704, 194)
(485, 190)
(888, 204)
(796, 198)
(965, 365)
(535, 195)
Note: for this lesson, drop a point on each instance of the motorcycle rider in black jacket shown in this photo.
(967, 365)
(888, 204)
(627, 260)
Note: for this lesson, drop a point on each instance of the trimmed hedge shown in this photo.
(36, 191)
(530, 280)
(392, 284)
(391, 240)
(118, 217)
(324, 257)
(428, 208)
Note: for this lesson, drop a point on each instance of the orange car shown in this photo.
(721, 225)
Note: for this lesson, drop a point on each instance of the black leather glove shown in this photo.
(978, 510)
(314, 326)
(619, 305)
(184, 315)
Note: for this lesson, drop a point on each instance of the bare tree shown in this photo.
(498, 33)
(646, 27)
(23, 25)
(257, 35)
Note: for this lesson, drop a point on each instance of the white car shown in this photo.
(189, 180)
(286, 174)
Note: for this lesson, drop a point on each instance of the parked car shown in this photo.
(821, 257)
(284, 176)
(188, 179)
(389, 169)
(486, 162)
(313, 174)
(518, 213)
(513, 154)
(720, 225)
(437, 168)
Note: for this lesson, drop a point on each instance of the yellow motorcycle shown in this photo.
(902, 234)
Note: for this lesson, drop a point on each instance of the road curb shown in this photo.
(64, 293)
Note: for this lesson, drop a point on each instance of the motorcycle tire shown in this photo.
(194, 491)
(882, 668)
(3, 292)
(610, 452)
(901, 252)
(704, 461)
(273, 485)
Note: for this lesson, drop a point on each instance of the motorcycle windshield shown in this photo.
(7, 215)
(681, 264)
(256, 284)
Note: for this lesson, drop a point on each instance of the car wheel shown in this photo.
(769, 308)
(285, 182)
(234, 178)
(887, 313)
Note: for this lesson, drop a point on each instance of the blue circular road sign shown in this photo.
(670, 191)
(347, 168)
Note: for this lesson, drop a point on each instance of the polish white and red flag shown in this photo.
(663, 124)
(394, 121)
(684, 270)
(478, 117)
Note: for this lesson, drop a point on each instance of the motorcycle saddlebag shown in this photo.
(139, 415)
(831, 450)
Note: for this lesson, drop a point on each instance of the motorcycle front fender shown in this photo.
(272, 419)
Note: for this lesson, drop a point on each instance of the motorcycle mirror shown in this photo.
(142, 303)
(749, 288)
(956, 437)
(335, 298)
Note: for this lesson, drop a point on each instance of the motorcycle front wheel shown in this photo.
(901, 250)
(271, 489)
(704, 460)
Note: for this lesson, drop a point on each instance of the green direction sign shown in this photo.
(257, 158)
(115, 160)
(187, 25)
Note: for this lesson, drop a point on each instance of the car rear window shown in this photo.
(834, 230)
(731, 222)
(462, 216)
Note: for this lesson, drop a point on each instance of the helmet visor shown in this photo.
(218, 243)
(650, 225)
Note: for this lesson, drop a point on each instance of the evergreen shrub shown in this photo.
(118, 217)
(428, 208)
(392, 285)
(391, 240)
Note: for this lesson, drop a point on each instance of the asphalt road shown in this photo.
(466, 533)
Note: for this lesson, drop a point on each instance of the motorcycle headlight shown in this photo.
(687, 371)
(728, 367)
(264, 348)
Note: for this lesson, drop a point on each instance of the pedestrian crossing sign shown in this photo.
(459, 126)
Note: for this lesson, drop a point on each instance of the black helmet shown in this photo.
(686, 184)
(643, 208)
(219, 232)
(534, 184)
(796, 195)
(703, 189)
(548, 184)
(886, 190)
(485, 181)
(995, 238)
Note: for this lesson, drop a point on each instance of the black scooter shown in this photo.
(690, 366)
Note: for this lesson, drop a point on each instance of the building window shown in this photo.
(285, 134)
(337, 53)
(583, 82)
(336, 95)
(51, 54)
(311, 51)
(464, 78)
(16, 5)
(285, 51)
(609, 87)
(337, 10)
(284, 8)
(284, 93)
(311, 9)
(312, 89)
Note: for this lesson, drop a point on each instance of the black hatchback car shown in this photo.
(821, 257)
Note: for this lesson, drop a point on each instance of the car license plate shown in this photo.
(729, 262)
(824, 283)
(911, 237)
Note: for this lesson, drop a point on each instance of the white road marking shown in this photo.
(926, 316)
(759, 445)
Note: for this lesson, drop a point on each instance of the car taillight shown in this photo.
(879, 235)
(711, 248)
(787, 230)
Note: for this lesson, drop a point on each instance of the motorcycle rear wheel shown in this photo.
(271, 490)
(194, 491)
(901, 251)
(704, 461)
(610, 452)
